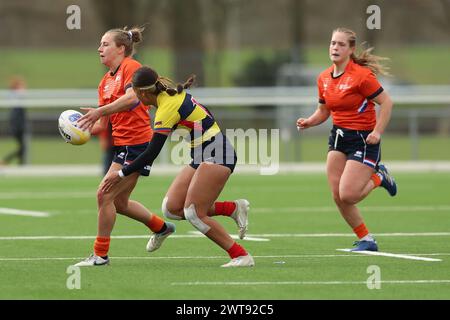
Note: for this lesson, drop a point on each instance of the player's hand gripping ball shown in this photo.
(68, 128)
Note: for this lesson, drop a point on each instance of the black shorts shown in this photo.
(353, 144)
(216, 150)
(126, 154)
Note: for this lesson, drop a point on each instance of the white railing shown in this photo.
(286, 96)
(292, 102)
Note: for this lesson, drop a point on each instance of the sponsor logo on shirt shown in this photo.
(346, 85)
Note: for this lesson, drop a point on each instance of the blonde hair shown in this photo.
(364, 57)
(127, 38)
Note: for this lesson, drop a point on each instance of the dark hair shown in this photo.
(364, 58)
(145, 78)
(127, 38)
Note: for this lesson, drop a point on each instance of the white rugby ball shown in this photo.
(68, 128)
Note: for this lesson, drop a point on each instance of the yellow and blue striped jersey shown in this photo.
(182, 111)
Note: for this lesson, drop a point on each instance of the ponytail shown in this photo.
(366, 59)
(135, 34)
(167, 85)
(127, 38)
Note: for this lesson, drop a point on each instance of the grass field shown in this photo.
(292, 216)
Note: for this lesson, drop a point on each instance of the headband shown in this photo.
(153, 86)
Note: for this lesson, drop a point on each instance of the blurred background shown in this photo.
(256, 63)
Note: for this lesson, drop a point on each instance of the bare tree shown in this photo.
(443, 21)
(216, 18)
(371, 36)
(119, 13)
(187, 38)
(297, 9)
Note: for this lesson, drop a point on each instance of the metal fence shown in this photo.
(419, 110)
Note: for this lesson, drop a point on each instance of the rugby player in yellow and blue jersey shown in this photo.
(193, 193)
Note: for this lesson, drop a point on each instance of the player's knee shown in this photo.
(170, 211)
(104, 197)
(349, 197)
(337, 197)
(191, 215)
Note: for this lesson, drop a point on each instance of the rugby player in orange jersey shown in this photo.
(131, 133)
(347, 92)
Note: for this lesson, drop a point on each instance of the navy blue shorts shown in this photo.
(353, 144)
(216, 150)
(126, 154)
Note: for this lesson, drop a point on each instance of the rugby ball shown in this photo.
(68, 128)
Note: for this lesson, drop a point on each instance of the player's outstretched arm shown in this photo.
(125, 102)
(146, 158)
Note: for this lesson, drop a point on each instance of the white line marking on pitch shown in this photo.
(89, 237)
(254, 237)
(176, 236)
(326, 235)
(47, 195)
(28, 213)
(247, 283)
(303, 256)
(233, 236)
(391, 255)
(300, 209)
(369, 208)
(181, 257)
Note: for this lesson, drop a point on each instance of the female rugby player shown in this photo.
(194, 191)
(347, 92)
(131, 133)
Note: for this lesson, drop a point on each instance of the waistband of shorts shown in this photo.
(145, 144)
(351, 131)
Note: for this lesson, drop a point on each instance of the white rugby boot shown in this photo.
(93, 260)
(240, 215)
(242, 261)
(157, 239)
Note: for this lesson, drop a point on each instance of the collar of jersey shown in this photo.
(348, 66)
(115, 71)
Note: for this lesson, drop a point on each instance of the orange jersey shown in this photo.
(349, 96)
(132, 126)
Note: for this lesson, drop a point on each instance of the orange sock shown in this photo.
(236, 251)
(361, 231)
(155, 223)
(225, 208)
(101, 246)
(376, 180)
